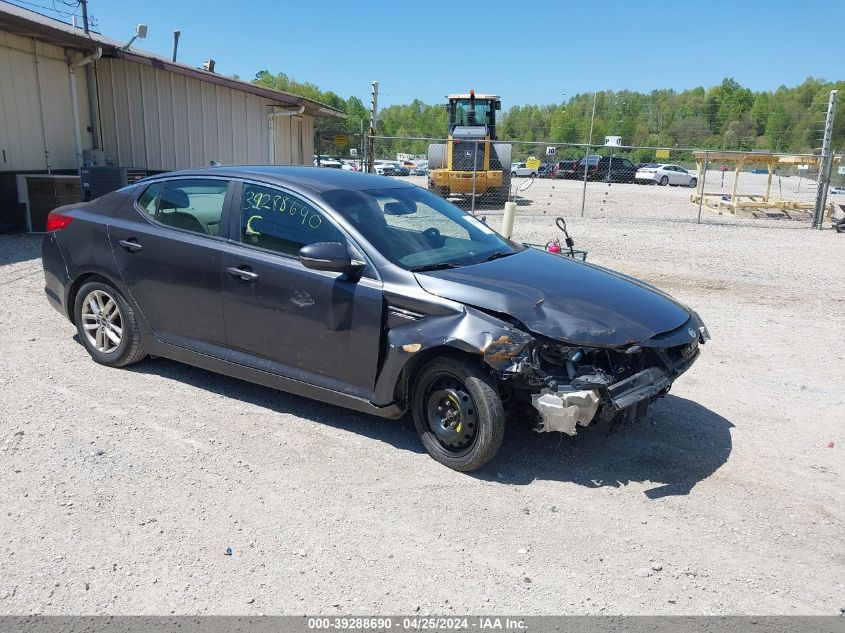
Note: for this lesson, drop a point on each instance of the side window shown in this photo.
(194, 205)
(280, 222)
(148, 200)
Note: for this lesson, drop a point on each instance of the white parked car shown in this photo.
(328, 162)
(662, 174)
(519, 169)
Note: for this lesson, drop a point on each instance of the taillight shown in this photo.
(57, 221)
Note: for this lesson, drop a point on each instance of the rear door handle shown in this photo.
(130, 245)
(242, 274)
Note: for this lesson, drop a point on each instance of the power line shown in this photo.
(46, 8)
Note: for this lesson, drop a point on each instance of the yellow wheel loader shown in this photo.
(471, 148)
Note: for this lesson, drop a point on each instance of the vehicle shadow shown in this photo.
(679, 444)
(397, 433)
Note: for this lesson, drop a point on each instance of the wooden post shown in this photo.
(736, 183)
(769, 184)
(699, 162)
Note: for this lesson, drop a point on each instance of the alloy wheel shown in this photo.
(102, 321)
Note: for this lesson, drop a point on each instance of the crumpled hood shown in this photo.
(558, 297)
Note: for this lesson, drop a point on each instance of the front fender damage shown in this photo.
(499, 345)
(567, 385)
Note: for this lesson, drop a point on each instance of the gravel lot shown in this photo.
(122, 489)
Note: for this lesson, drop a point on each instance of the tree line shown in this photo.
(727, 116)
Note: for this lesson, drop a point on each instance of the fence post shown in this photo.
(825, 163)
(474, 171)
(586, 169)
(701, 184)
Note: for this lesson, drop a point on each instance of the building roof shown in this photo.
(28, 23)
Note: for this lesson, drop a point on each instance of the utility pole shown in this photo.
(371, 149)
(825, 164)
(84, 4)
(587, 157)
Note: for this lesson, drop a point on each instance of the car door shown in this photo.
(318, 327)
(167, 244)
(675, 175)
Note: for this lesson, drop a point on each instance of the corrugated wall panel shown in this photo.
(239, 138)
(256, 131)
(196, 132)
(181, 136)
(120, 93)
(308, 149)
(162, 121)
(151, 131)
(105, 94)
(224, 125)
(35, 104)
(282, 133)
(18, 120)
(211, 141)
(22, 110)
(58, 115)
(166, 125)
(135, 126)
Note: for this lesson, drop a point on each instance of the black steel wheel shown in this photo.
(458, 413)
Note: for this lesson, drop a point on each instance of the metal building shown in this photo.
(64, 93)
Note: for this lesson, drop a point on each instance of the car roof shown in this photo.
(316, 179)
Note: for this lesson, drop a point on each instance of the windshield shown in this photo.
(461, 112)
(414, 228)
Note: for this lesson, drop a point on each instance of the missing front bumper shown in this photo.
(565, 411)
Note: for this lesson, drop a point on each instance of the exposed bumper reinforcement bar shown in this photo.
(564, 411)
(642, 386)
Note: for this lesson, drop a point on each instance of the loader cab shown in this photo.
(473, 115)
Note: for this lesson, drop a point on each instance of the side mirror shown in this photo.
(329, 256)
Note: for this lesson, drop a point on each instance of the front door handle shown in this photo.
(130, 245)
(242, 274)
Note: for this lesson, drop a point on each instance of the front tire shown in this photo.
(458, 413)
(693, 183)
(107, 325)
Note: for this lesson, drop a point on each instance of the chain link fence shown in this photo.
(642, 184)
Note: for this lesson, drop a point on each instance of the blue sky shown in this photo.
(528, 52)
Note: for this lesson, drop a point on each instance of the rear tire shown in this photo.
(664, 181)
(458, 413)
(107, 325)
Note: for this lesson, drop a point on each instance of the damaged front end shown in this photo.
(576, 385)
